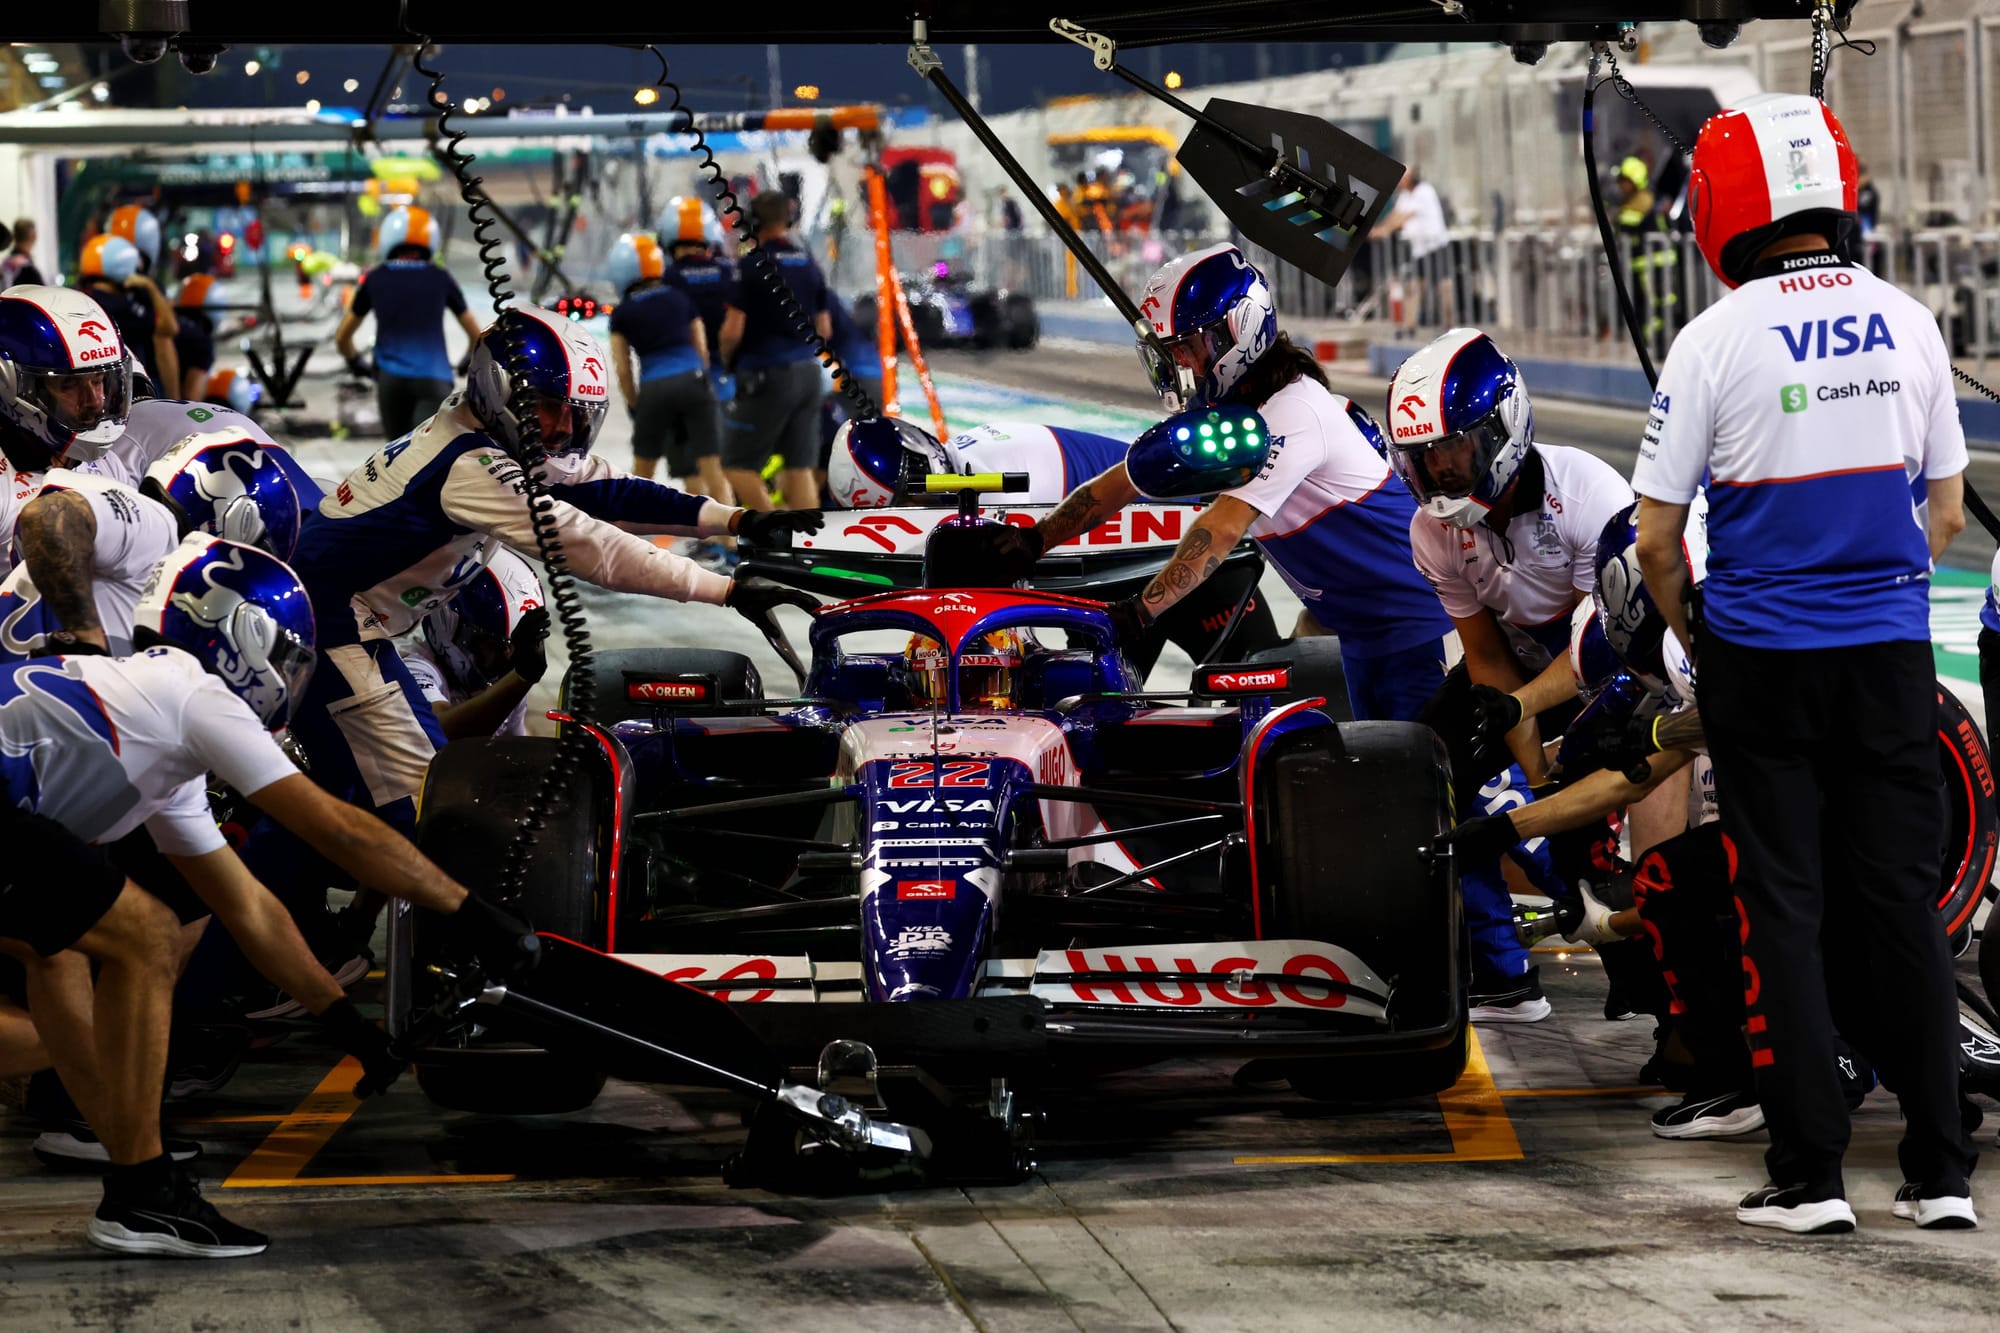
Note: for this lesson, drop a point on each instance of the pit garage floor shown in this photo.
(1531, 1193)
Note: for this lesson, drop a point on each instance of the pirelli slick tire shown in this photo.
(1971, 822)
(1345, 821)
(472, 802)
(618, 669)
(1023, 325)
(1316, 671)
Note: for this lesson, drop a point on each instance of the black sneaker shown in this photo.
(1264, 1076)
(204, 1057)
(1710, 1116)
(72, 1144)
(176, 1222)
(1943, 1212)
(1509, 1000)
(1795, 1208)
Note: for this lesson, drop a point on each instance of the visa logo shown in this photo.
(1812, 337)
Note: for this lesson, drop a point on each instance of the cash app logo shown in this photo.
(1792, 398)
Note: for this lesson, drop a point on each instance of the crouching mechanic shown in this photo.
(871, 461)
(477, 656)
(155, 425)
(107, 746)
(415, 523)
(1323, 509)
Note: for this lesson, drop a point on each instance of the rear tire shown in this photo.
(735, 675)
(1972, 824)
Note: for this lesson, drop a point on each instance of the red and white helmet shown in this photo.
(1776, 166)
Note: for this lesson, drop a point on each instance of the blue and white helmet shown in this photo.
(1459, 425)
(1633, 624)
(489, 607)
(239, 610)
(1215, 315)
(565, 364)
(867, 467)
(228, 483)
(1593, 663)
(64, 377)
(1371, 430)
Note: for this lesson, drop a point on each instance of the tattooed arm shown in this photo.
(58, 536)
(1087, 506)
(1200, 553)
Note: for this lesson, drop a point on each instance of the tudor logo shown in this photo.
(92, 329)
(1411, 402)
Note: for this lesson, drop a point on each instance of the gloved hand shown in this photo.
(1494, 714)
(360, 367)
(1015, 550)
(1482, 839)
(528, 646)
(1620, 743)
(760, 527)
(1129, 621)
(365, 1042)
(501, 942)
(725, 386)
(754, 599)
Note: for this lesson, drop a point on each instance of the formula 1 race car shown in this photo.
(949, 311)
(970, 851)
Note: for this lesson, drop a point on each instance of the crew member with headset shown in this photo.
(696, 263)
(778, 385)
(109, 273)
(673, 407)
(1816, 399)
(409, 295)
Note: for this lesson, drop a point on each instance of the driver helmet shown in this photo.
(1214, 313)
(687, 220)
(64, 376)
(468, 636)
(229, 483)
(138, 226)
(112, 258)
(242, 612)
(234, 389)
(1460, 424)
(1634, 626)
(1777, 165)
(873, 456)
(565, 365)
(986, 669)
(635, 258)
(405, 225)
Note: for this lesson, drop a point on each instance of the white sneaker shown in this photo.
(1527, 1009)
(1716, 1117)
(1946, 1212)
(1788, 1208)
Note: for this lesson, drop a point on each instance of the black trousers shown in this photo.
(1681, 889)
(1826, 771)
(408, 403)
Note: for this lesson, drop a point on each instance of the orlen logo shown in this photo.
(872, 526)
(92, 329)
(1245, 682)
(1407, 432)
(926, 890)
(1408, 407)
(594, 386)
(666, 691)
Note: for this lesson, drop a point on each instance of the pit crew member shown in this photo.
(696, 264)
(673, 407)
(476, 657)
(409, 295)
(1324, 509)
(1815, 398)
(155, 425)
(109, 275)
(778, 385)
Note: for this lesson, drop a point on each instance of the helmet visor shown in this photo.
(88, 406)
(1450, 467)
(1195, 352)
(568, 427)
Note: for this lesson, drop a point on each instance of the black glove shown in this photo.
(365, 1042)
(760, 527)
(1015, 551)
(1620, 743)
(499, 941)
(360, 367)
(1129, 621)
(753, 599)
(528, 645)
(1494, 714)
(1482, 839)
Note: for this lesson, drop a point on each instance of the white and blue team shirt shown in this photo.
(437, 690)
(1056, 460)
(156, 425)
(133, 535)
(1335, 523)
(1819, 401)
(103, 745)
(415, 522)
(1532, 573)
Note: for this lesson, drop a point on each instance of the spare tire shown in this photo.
(735, 676)
(1972, 825)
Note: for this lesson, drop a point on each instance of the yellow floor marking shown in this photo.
(351, 1182)
(1474, 1116)
(1647, 1090)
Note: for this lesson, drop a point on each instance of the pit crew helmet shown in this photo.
(872, 456)
(1593, 663)
(234, 389)
(229, 484)
(110, 257)
(1214, 313)
(241, 611)
(474, 627)
(1633, 623)
(1777, 165)
(687, 220)
(141, 228)
(564, 365)
(406, 225)
(1460, 393)
(201, 292)
(56, 347)
(635, 258)
(985, 671)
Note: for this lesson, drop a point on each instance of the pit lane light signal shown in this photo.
(1218, 434)
(580, 308)
(1198, 452)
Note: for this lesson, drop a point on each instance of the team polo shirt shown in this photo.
(708, 283)
(771, 337)
(133, 535)
(659, 323)
(1531, 573)
(409, 298)
(1335, 524)
(1818, 400)
(1057, 461)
